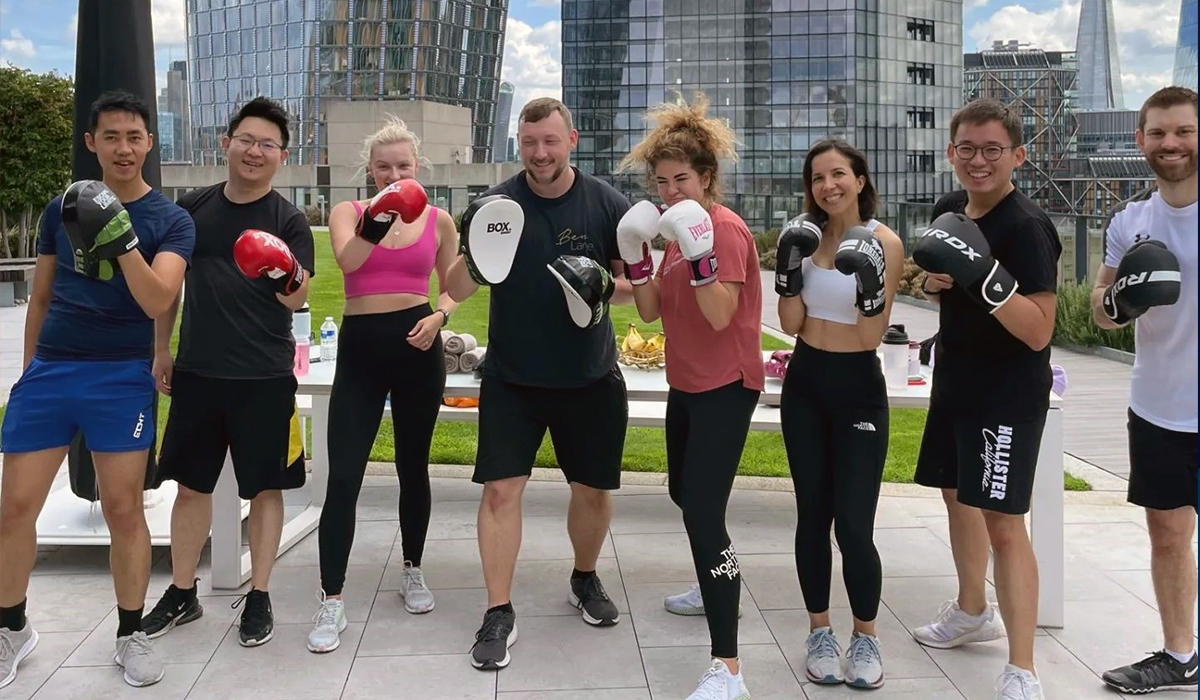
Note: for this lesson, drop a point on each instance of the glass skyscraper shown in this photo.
(304, 53)
(1185, 46)
(886, 75)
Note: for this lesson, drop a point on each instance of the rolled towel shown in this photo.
(471, 359)
(454, 343)
(446, 335)
(452, 362)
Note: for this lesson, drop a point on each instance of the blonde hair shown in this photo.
(394, 130)
(684, 132)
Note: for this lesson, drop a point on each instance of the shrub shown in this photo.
(314, 216)
(911, 280)
(765, 242)
(1073, 324)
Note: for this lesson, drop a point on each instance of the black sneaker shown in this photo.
(587, 594)
(257, 625)
(498, 633)
(1160, 671)
(174, 608)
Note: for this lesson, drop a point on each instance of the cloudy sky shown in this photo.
(34, 35)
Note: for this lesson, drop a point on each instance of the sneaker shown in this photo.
(134, 654)
(257, 625)
(587, 594)
(953, 627)
(331, 622)
(864, 662)
(498, 633)
(718, 683)
(690, 603)
(14, 647)
(824, 665)
(418, 599)
(174, 608)
(1160, 671)
(1018, 684)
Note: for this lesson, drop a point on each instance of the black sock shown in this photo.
(507, 607)
(577, 575)
(188, 594)
(13, 618)
(128, 621)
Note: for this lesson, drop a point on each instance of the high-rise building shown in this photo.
(167, 135)
(305, 53)
(1039, 84)
(1185, 46)
(1107, 131)
(1099, 65)
(173, 98)
(503, 122)
(884, 75)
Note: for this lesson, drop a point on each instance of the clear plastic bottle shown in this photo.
(329, 334)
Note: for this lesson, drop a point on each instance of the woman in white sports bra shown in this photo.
(836, 273)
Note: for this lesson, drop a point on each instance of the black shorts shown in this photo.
(989, 456)
(587, 428)
(254, 419)
(1162, 466)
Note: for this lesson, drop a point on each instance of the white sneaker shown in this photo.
(1018, 684)
(864, 662)
(690, 603)
(417, 597)
(824, 664)
(331, 622)
(136, 655)
(953, 627)
(15, 646)
(718, 683)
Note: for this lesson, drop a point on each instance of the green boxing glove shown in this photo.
(97, 226)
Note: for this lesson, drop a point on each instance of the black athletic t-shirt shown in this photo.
(234, 327)
(531, 338)
(977, 361)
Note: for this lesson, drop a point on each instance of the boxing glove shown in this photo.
(860, 254)
(587, 287)
(688, 224)
(798, 240)
(1147, 276)
(953, 245)
(260, 254)
(636, 229)
(403, 198)
(491, 231)
(97, 226)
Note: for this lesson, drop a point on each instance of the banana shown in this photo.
(635, 340)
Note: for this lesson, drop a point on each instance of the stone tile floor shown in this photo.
(387, 653)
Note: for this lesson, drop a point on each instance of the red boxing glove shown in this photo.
(258, 253)
(404, 198)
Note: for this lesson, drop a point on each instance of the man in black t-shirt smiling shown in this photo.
(544, 369)
(992, 257)
(232, 385)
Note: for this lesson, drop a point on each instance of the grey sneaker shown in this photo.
(953, 627)
(864, 662)
(824, 665)
(331, 622)
(689, 603)
(136, 655)
(418, 599)
(15, 646)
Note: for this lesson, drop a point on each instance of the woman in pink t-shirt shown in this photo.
(711, 315)
(836, 272)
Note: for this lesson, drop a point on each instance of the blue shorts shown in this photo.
(111, 401)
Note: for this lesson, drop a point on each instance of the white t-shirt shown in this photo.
(1163, 390)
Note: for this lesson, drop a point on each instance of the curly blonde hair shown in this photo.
(685, 133)
(394, 130)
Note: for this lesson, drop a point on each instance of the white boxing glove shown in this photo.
(688, 224)
(636, 229)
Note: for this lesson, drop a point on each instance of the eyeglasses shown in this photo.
(966, 151)
(268, 147)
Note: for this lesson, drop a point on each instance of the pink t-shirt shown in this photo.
(698, 357)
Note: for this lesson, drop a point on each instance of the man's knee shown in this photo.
(123, 514)
(267, 498)
(186, 496)
(1006, 531)
(503, 494)
(1171, 530)
(590, 498)
(17, 512)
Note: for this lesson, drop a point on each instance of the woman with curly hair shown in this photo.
(711, 315)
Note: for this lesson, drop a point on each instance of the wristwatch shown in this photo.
(445, 317)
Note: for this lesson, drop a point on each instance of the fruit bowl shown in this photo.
(641, 352)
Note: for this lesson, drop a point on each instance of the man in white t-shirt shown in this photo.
(1150, 274)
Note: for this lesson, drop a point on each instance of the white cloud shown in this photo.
(532, 62)
(72, 30)
(17, 46)
(170, 22)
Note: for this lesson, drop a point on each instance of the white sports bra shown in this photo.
(828, 294)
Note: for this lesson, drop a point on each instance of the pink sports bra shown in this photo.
(397, 270)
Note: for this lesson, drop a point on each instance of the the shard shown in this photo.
(1096, 51)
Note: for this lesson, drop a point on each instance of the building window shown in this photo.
(920, 161)
(920, 30)
(920, 118)
(920, 73)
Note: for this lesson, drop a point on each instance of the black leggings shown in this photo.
(375, 358)
(835, 426)
(705, 436)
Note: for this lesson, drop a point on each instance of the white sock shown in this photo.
(1181, 658)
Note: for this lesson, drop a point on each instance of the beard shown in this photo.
(557, 174)
(1176, 172)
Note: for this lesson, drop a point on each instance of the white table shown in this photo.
(647, 390)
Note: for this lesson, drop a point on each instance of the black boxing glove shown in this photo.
(1147, 276)
(861, 254)
(798, 240)
(954, 245)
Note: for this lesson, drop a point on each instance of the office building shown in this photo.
(1107, 131)
(167, 136)
(173, 99)
(308, 53)
(1099, 65)
(1185, 46)
(1039, 84)
(504, 106)
(883, 75)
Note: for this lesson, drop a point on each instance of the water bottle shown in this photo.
(329, 332)
(301, 330)
(895, 357)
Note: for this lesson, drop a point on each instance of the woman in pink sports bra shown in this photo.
(389, 343)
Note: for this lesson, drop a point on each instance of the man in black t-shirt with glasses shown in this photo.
(232, 385)
(992, 258)
(551, 360)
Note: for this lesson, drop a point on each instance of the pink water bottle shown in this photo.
(301, 329)
(300, 366)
